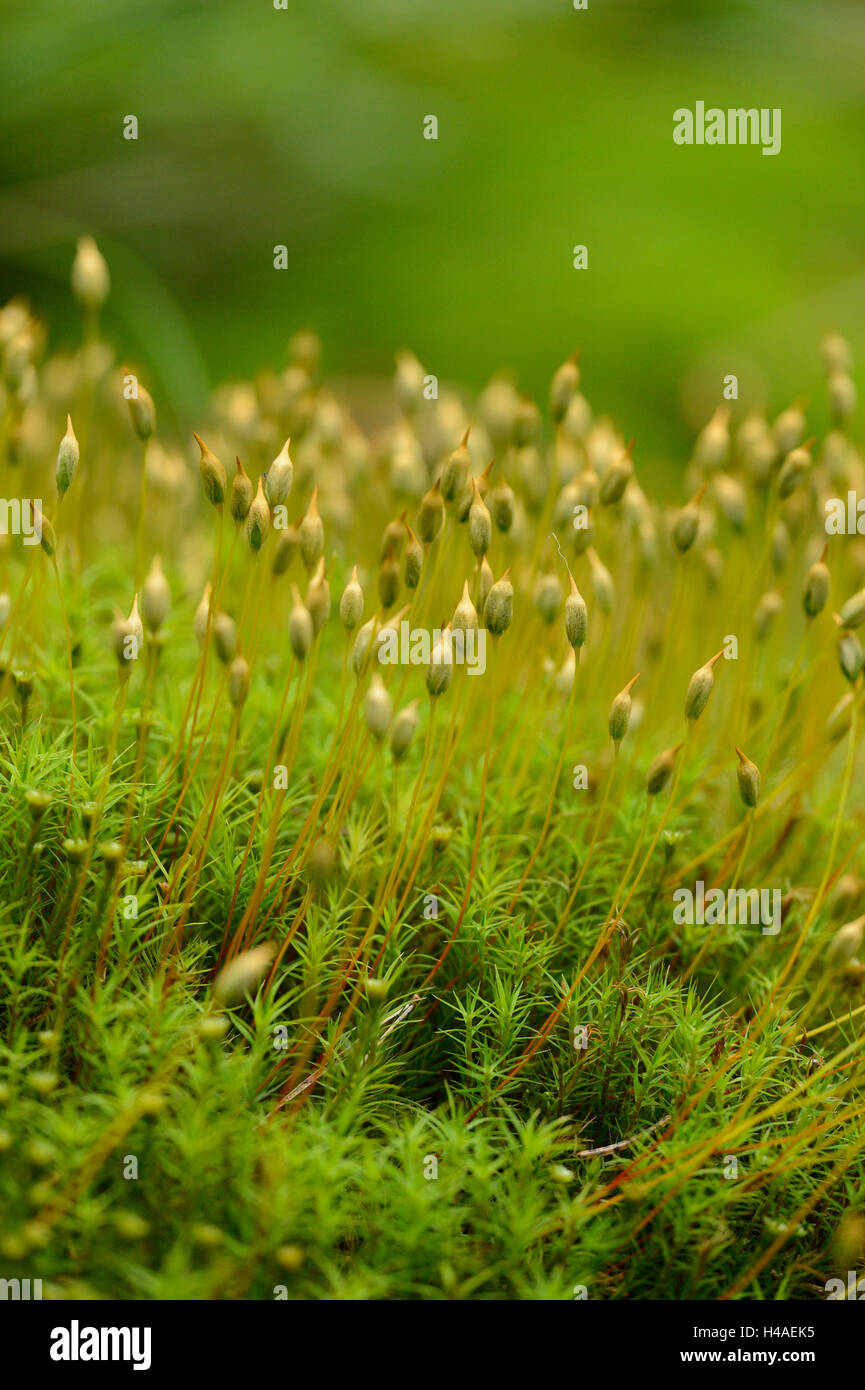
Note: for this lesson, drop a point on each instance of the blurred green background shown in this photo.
(304, 127)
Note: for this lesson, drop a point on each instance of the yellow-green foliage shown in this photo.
(419, 915)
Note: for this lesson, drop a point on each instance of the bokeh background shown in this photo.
(304, 127)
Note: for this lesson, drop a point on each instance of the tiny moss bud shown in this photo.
(376, 990)
(616, 479)
(413, 560)
(849, 893)
(43, 529)
(583, 492)
(661, 770)
(301, 629)
(687, 524)
(480, 523)
(311, 531)
(780, 547)
(527, 421)
(845, 944)
(142, 413)
(287, 545)
(238, 681)
(768, 608)
(440, 671)
(243, 974)
(212, 474)
(290, 1257)
(853, 611)
(732, 499)
(840, 718)
(151, 1101)
(258, 519)
(213, 1026)
(201, 616)
(43, 1082)
(130, 1225)
(111, 854)
(713, 442)
(304, 351)
(501, 503)
(584, 534)
(89, 278)
(602, 584)
(465, 616)
(388, 582)
(700, 688)
(485, 583)
(576, 617)
(620, 711)
(789, 428)
(816, 589)
(351, 603)
(393, 538)
(403, 730)
(836, 353)
(24, 681)
(842, 396)
(794, 470)
(851, 656)
(279, 477)
(41, 1153)
(563, 388)
(127, 636)
(67, 458)
(318, 597)
(206, 1236)
(408, 381)
(155, 597)
(378, 707)
(321, 864)
(240, 499)
(685, 528)
(748, 775)
(456, 471)
(547, 596)
(431, 513)
(362, 641)
(225, 637)
(499, 606)
(37, 804)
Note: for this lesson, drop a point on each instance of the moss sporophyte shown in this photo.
(327, 971)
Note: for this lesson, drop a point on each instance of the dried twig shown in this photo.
(623, 1143)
